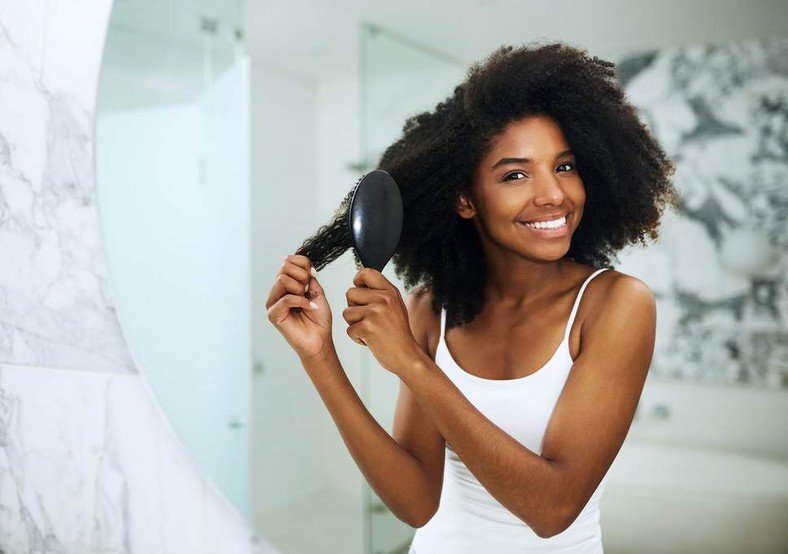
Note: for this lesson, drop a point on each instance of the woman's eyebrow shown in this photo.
(506, 161)
(525, 161)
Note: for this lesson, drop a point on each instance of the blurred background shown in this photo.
(228, 131)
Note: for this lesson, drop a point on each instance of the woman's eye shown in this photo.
(569, 166)
(506, 178)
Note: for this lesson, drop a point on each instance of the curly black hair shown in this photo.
(625, 172)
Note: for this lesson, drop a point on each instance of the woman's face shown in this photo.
(528, 176)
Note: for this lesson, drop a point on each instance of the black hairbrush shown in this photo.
(375, 219)
(369, 218)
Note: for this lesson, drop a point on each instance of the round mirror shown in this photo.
(173, 191)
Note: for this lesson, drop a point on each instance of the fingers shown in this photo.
(363, 296)
(284, 284)
(281, 309)
(293, 277)
(288, 284)
(372, 278)
(315, 289)
(351, 332)
(301, 262)
(359, 296)
(367, 302)
(296, 271)
(352, 314)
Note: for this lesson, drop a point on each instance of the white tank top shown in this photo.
(469, 520)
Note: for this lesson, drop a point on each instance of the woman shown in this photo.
(515, 395)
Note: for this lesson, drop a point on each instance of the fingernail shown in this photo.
(313, 271)
(314, 306)
(306, 288)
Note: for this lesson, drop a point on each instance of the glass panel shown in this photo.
(399, 78)
(171, 145)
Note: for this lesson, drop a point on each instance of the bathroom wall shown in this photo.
(338, 149)
(88, 462)
(720, 365)
(719, 270)
(283, 176)
(298, 169)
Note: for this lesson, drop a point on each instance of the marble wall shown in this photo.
(87, 465)
(55, 299)
(719, 270)
(88, 462)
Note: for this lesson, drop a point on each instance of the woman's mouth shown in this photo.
(549, 229)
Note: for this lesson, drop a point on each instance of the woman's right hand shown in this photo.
(307, 330)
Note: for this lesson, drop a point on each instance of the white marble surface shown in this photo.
(88, 462)
(56, 304)
(87, 466)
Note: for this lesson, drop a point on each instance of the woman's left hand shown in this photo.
(378, 318)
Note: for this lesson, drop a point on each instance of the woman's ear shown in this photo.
(465, 207)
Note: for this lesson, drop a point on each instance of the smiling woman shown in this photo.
(549, 186)
(481, 459)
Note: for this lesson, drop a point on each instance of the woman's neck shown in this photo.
(521, 282)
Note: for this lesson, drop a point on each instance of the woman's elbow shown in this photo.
(548, 530)
(557, 524)
(417, 523)
(421, 516)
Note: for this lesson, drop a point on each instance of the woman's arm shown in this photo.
(406, 473)
(588, 426)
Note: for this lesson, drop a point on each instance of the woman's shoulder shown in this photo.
(612, 287)
(615, 294)
(612, 280)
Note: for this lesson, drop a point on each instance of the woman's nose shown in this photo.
(549, 191)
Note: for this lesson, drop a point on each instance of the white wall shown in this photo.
(286, 418)
(734, 419)
(338, 148)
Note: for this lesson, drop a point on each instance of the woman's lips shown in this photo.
(550, 233)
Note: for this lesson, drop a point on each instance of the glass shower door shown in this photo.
(399, 78)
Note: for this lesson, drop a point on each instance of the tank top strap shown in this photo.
(577, 301)
(443, 323)
(571, 315)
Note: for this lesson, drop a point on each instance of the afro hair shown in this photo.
(625, 172)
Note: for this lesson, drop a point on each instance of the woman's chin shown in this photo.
(546, 255)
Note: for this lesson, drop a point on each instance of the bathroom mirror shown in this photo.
(171, 140)
(229, 131)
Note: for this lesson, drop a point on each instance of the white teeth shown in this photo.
(560, 222)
